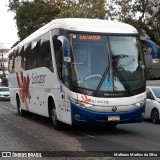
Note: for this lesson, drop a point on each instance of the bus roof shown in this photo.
(94, 25)
(84, 25)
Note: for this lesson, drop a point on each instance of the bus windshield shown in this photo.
(111, 63)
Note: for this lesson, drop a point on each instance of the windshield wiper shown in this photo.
(101, 81)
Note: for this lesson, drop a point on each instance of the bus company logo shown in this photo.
(90, 37)
(113, 94)
(23, 84)
(114, 108)
(38, 79)
(85, 99)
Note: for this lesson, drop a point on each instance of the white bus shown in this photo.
(80, 72)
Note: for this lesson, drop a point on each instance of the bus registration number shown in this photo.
(113, 118)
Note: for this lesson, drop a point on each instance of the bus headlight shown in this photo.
(139, 104)
(80, 103)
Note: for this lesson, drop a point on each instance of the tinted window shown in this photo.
(28, 56)
(156, 92)
(11, 63)
(45, 52)
(149, 95)
(4, 89)
(32, 55)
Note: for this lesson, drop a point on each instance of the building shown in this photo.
(4, 48)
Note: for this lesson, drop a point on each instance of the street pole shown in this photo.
(2, 64)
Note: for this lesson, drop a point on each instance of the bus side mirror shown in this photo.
(154, 49)
(66, 48)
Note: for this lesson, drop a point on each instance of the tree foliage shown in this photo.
(31, 15)
(142, 14)
(92, 8)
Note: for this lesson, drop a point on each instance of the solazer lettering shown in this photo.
(40, 79)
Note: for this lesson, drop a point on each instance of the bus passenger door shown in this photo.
(62, 55)
(64, 104)
(65, 111)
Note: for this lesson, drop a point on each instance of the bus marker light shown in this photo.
(77, 117)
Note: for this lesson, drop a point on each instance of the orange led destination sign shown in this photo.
(90, 37)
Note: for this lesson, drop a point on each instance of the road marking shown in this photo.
(8, 108)
(3, 106)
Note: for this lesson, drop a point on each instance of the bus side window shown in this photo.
(27, 52)
(23, 60)
(11, 63)
(58, 55)
(19, 61)
(36, 53)
(45, 52)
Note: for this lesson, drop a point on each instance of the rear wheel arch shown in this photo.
(18, 103)
(52, 110)
(21, 112)
(50, 101)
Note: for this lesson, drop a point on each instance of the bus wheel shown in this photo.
(21, 112)
(56, 123)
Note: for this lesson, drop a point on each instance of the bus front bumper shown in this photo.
(82, 116)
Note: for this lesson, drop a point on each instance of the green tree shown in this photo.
(69, 9)
(142, 14)
(83, 9)
(31, 15)
(121, 10)
(149, 19)
(93, 8)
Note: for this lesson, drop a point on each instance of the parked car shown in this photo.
(4, 93)
(152, 110)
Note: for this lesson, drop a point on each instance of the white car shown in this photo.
(152, 110)
(4, 93)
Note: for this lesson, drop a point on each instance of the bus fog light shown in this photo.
(77, 117)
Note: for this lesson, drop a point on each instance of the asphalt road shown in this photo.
(35, 133)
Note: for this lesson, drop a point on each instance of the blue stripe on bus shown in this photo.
(88, 117)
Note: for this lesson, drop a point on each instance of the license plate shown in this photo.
(113, 118)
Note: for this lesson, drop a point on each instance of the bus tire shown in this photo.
(21, 112)
(53, 115)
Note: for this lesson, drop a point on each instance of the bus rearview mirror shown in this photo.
(154, 49)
